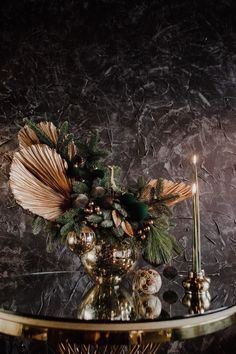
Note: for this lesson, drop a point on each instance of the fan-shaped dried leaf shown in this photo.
(116, 218)
(46, 165)
(126, 226)
(146, 194)
(181, 190)
(38, 181)
(176, 189)
(34, 195)
(27, 137)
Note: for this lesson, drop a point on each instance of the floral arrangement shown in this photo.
(64, 182)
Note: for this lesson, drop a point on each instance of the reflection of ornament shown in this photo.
(107, 263)
(170, 272)
(170, 297)
(147, 306)
(147, 281)
(107, 303)
(82, 242)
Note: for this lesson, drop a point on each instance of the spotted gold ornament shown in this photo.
(82, 242)
(147, 281)
(147, 306)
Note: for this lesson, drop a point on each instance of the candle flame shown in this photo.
(194, 159)
(194, 188)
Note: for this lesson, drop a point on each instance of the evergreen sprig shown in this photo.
(159, 246)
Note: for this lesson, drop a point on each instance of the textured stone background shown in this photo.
(158, 79)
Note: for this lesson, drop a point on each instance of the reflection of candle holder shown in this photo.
(197, 297)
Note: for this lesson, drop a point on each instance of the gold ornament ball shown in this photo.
(82, 242)
(147, 306)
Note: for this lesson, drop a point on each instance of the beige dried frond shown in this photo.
(38, 181)
(181, 190)
(27, 137)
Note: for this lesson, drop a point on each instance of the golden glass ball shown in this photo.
(82, 242)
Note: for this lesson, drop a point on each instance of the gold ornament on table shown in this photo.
(147, 281)
(197, 297)
(59, 179)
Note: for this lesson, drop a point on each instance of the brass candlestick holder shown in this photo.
(197, 297)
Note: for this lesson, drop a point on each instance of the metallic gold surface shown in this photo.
(197, 296)
(83, 242)
(107, 263)
(196, 282)
(105, 302)
(132, 332)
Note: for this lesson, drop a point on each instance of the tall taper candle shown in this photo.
(196, 216)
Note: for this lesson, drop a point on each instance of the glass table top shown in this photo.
(71, 296)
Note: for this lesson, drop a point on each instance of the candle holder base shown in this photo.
(197, 297)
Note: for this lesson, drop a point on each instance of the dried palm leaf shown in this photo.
(27, 137)
(38, 181)
(170, 194)
(181, 190)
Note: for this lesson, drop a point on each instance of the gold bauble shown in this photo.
(147, 306)
(82, 242)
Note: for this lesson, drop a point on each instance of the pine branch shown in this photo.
(37, 225)
(64, 146)
(63, 131)
(160, 246)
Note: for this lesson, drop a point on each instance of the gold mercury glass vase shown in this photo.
(105, 262)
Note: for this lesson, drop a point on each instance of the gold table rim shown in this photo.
(175, 324)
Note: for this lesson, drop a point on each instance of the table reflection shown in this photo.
(115, 303)
(73, 296)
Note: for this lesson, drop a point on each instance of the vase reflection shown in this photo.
(115, 303)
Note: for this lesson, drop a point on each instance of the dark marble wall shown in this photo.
(157, 79)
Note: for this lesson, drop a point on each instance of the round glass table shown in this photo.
(66, 309)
